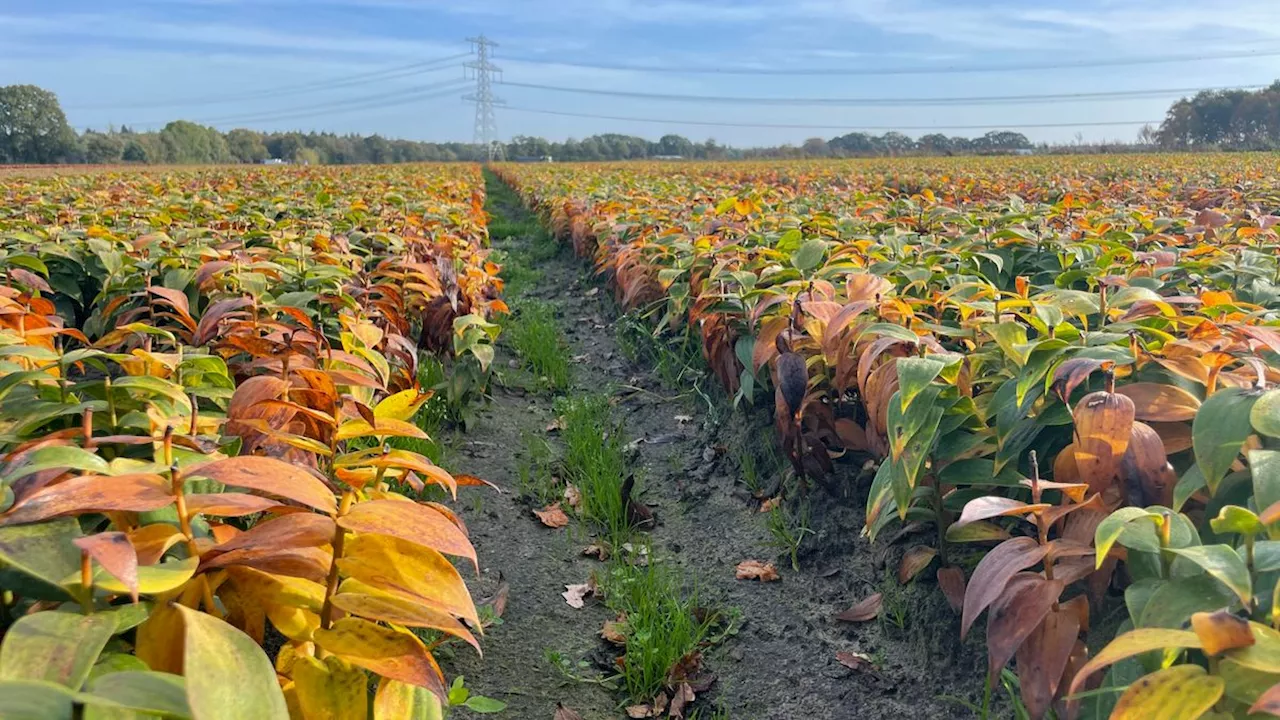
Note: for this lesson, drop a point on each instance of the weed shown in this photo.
(788, 530)
(535, 336)
(894, 610)
(672, 359)
(594, 462)
(535, 466)
(662, 623)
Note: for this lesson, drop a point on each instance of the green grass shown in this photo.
(536, 467)
(594, 462)
(787, 530)
(661, 623)
(535, 336)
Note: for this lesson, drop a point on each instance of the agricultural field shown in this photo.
(901, 438)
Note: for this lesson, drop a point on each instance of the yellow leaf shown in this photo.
(392, 609)
(1134, 642)
(331, 689)
(228, 676)
(269, 589)
(401, 701)
(1182, 692)
(396, 654)
(409, 570)
(402, 405)
(387, 427)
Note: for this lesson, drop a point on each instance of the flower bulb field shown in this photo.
(992, 437)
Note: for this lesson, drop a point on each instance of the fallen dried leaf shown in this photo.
(552, 516)
(613, 630)
(682, 419)
(683, 697)
(951, 580)
(756, 570)
(576, 595)
(596, 551)
(913, 561)
(573, 497)
(592, 292)
(854, 661)
(578, 359)
(866, 610)
(564, 713)
(640, 711)
(555, 425)
(660, 704)
(498, 601)
(770, 504)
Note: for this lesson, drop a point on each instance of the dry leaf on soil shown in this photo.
(498, 601)
(564, 713)
(770, 504)
(640, 711)
(597, 551)
(865, 610)
(573, 497)
(613, 630)
(756, 570)
(576, 595)
(913, 561)
(683, 698)
(552, 516)
(854, 661)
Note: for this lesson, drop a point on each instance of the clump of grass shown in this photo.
(662, 623)
(594, 462)
(895, 610)
(536, 468)
(535, 336)
(787, 530)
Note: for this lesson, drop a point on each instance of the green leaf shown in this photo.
(1264, 466)
(914, 374)
(231, 678)
(1012, 339)
(1238, 520)
(155, 693)
(1189, 484)
(484, 705)
(1219, 430)
(1265, 415)
(1175, 601)
(45, 552)
(1115, 525)
(54, 647)
(1223, 563)
(809, 255)
(35, 700)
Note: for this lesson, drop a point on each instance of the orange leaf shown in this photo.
(140, 492)
(756, 570)
(394, 654)
(228, 504)
(1221, 631)
(552, 516)
(410, 521)
(271, 476)
(114, 552)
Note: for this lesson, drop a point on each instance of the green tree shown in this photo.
(185, 142)
(100, 148)
(33, 128)
(246, 146)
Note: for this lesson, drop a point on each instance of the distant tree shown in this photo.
(895, 143)
(185, 142)
(246, 146)
(936, 143)
(99, 148)
(33, 128)
(675, 145)
(815, 147)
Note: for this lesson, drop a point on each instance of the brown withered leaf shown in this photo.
(1103, 422)
(498, 601)
(564, 713)
(756, 570)
(640, 711)
(951, 580)
(614, 630)
(682, 698)
(1221, 631)
(1043, 656)
(770, 504)
(864, 610)
(552, 516)
(915, 560)
(116, 555)
(597, 551)
(854, 661)
(573, 497)
(1018, 611)
(1068, 375)
(576, 595)
(994, 572)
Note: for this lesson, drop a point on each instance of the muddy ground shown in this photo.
(782, 662)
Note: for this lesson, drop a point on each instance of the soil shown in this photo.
(781, 663)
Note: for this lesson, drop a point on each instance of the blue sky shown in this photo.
(144, 62)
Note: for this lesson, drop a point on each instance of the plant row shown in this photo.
(206, 383)
(1068, 367)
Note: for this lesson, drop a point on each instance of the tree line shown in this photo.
(34, 129)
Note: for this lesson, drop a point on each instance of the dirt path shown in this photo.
(690, 458)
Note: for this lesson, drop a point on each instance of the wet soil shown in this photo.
(689, 449)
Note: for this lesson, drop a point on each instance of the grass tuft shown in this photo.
(594, 462)
(535, 335)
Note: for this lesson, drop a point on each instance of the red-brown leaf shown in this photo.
(91, 493)
(993, 573)
(756, 570)
(951, 580)
(552, 516)
(864, 610)
(1043, 656)
(114, 552)
(271, 476)
(913, 561)
(1015, 614)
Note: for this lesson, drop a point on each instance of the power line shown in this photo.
(886, 102)
(390, 101)
(358, 100)
(906, 70)
(846, 128)
(399, 71)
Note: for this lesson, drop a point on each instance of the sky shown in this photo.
(366, 66)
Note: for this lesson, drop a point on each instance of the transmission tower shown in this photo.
(486, 132)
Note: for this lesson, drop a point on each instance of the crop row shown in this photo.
(1068, 366)
(209, 382)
